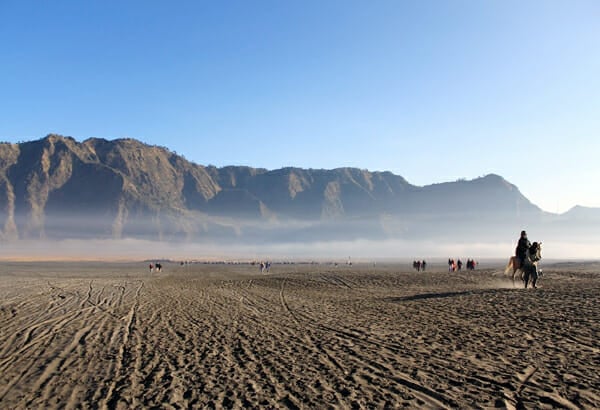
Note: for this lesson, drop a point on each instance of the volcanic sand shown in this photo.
(113, 335)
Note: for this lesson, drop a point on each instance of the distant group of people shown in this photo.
(457, 265)
(419, 265)
(157, 266)
(453, 265)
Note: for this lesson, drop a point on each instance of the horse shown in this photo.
(529, 269)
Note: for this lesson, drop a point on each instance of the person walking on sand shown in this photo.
(522, 246)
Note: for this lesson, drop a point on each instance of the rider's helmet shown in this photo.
(523, 233)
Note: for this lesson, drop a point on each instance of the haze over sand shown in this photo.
(361, 249)
(113, 335)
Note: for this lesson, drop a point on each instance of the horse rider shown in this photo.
(522, 247)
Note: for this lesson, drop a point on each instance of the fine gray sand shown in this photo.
(91, 335)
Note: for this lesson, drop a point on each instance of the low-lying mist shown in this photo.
(97, 237)
(357, 250)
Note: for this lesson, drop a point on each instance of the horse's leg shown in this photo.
(525, 277)
(517, 272)
(514, 265)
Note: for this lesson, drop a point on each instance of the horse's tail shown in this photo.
(510, 265)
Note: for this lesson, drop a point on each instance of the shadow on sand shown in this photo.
(440, 295)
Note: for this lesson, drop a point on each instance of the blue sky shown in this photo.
(431, 90)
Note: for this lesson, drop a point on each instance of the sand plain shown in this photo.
(112, 335)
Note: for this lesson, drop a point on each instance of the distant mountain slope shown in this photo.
(57, 187)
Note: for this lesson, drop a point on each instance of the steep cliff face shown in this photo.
(41, 168)
(9, 155)
(156, 176)
(58, 187)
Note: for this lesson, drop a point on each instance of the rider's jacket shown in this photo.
(522, 246)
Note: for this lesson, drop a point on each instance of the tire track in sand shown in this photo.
(122, 360)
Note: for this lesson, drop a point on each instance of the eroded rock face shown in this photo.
(57, 187)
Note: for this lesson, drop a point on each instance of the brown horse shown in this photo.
(529, 270)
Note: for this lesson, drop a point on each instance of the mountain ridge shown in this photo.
(57, 187)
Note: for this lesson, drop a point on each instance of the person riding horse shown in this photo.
(526, 260)
(522, 247)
